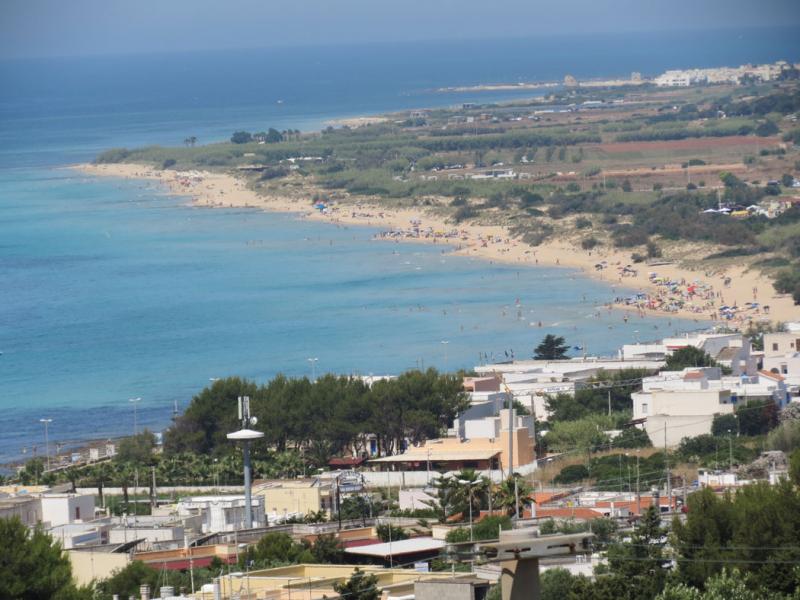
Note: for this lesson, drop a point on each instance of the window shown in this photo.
(77, 513)
(644, 408)
(774, 347)
(784, 370)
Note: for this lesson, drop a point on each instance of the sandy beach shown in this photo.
(734, 296)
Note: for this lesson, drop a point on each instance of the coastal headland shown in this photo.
(734, 285)
(686, 199)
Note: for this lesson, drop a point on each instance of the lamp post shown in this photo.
(444, 346)
(46, 440)
(313, 362)
(246, 435)
(470, 485)
(135, 401)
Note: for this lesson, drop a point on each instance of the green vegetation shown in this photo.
(33, 566)
(755, 529)
(552, 347)
(430, 162)
(325, 417)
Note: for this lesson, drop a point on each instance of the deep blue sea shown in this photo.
(111, 289)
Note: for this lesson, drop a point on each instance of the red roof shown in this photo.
(775, 376)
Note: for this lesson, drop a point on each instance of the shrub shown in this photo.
(582, 223)
(170, 162)
(571, 474)
(589, 243)
(241, 137)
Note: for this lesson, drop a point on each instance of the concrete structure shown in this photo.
(62, 509)
(74, 535)
(451, 589)
(313, 582)
(532, 381)
(732, 350)
(484, 446)
(682, 404)
(735, 75)
(782, 356)
(222, 513)
(286, 498)
(88, 565)
(27, 509)
(400, 551)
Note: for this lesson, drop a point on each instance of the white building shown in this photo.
(678, 404)
(732, 350)
(222, 513)
(62, 509)
(531, 381)
(74, 535)
(782, 356)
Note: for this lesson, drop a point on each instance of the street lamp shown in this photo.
(135, 402)
(313, 362)
(470, 485)
(46, 440)
(444, 345)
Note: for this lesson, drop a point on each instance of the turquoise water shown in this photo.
(114, 290)
(111, 290)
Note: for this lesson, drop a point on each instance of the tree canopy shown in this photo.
(552, 347)
(325, 417)
(689, 357)
(33, 566)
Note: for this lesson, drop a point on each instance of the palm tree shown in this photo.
(101, 473)
(471, 487)
(73, 475)
(122, 477)
(505, 497)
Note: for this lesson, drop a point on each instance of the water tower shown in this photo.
(246, 435)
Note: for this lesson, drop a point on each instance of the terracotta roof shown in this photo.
(692, 375)
(575, 512)
(775, 376)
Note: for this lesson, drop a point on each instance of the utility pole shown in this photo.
(638, 489)
(609, 402)
(666, 466)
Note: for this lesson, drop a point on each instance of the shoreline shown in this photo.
(668, 289)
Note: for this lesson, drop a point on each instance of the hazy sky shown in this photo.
(81, 27)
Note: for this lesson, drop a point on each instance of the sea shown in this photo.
(111, 289)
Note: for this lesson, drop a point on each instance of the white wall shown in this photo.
(60, 509)
(690, 402)
(678, 427)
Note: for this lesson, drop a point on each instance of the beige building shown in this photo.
(684, 406)
(295, 497)
(313, 582)
(88, 565)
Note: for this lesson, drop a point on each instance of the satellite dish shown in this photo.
(253, 421)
